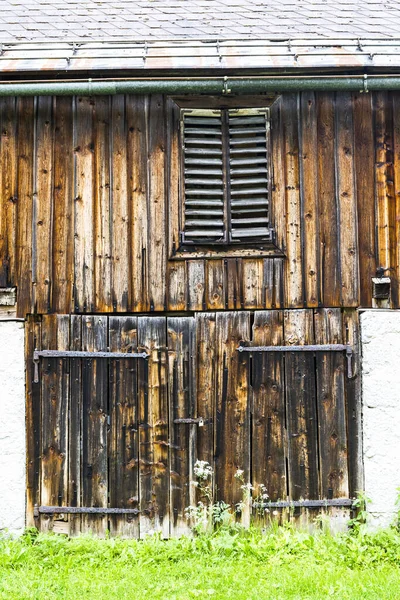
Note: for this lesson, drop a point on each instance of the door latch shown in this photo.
(200, 421)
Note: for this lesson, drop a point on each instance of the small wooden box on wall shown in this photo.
(8, 302)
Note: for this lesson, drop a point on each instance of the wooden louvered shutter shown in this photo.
(226, 179)
(204, 206)
(248, 175)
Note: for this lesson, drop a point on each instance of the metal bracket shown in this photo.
(309, 348)
(79, 354)
(340, 502)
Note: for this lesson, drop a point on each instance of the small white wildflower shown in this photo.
(202, 469)
(239, 507)
(265, 496)
(239, 474)
(266, 510)
(275, 513)
(247, 487)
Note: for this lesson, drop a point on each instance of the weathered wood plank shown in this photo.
(206, 370)
(33, 419)
(293, 266)
(196, 284)
(215, 293)
(137, 114)
(331, 406)
(8, 190)
(253, 279)
(75, 461)
(157, 203)
(63, 216)
(153, 427)
(233, 283)
(309, 177)
(43, 204)
(347, 201)
(278, 204)
(177, 285)
(102, 207)
(123, 451)
(268, 422)
(364, 164)
(94, 423)
(120, 251)
(329, 266)
(25, 147)
(384, 179)
(84, 217)
(232, 443)
(301, 407)
(181, 393)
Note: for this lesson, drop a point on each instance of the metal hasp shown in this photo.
(82, 510)
(310, 348)
(79, 354)
(195, 421)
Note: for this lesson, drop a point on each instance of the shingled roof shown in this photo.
(54, 34)
(39, 20)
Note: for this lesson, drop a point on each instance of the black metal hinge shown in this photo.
(308, 348)
(80, 354)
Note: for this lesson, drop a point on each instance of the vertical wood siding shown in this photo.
(89, 206)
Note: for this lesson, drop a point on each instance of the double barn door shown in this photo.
(124, 434)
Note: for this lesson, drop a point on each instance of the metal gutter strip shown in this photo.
(224, 85)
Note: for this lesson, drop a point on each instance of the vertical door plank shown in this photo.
(301, 407)
(43, 191)
(331, 405)
(25, 109)
(84, 206)
(157, 205)
(268, 422)
(177, 285)
(351, 331)
(181, 397)
(329, 266)
(8, 190)
(137, 112)
(309, 170)
(63, 229)
(253, 279)
(293, 271)
(124, 436)
(94, 423)
(346, 194)
(206, 358)
(55, 411)
(120, 256)
(173, 176)
(384, 178)
(215, 295)
(33, 418)
(196, 284)
(102, 209)
(75, 426)
(364, 164)
(232, 444)
(153, 427)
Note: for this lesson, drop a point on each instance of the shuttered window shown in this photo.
(225, 176)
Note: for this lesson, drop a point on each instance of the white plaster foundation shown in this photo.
(12, 431)
(380, 338)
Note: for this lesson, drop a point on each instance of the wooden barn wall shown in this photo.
(88, 202)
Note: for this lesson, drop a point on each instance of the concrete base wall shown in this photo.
(12, 430)
(380, 336)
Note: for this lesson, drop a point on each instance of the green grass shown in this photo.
(281, 564)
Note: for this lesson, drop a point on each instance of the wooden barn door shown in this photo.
(114, 441)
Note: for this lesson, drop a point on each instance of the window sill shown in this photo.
(187, 253)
